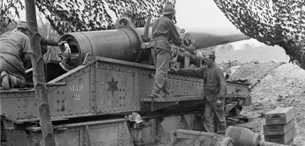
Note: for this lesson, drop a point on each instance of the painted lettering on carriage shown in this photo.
(74, 88)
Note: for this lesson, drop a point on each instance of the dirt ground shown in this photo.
(274, 85)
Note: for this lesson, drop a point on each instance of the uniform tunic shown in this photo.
(214, 83)
(163, 31)
(13, 47)
(15, 58)
(214, 88)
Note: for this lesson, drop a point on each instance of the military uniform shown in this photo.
(214, 89)
(13, 47)
(15, 56)
(163, 31)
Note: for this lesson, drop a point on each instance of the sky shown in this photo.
(205, 13)
(200, 13)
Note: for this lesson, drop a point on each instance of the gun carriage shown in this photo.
(105, 77)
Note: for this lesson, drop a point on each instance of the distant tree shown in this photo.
(225, 48)
(246, 46)
(45, 29)
(273, 22)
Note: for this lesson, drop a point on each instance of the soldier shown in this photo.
(15, 56)
(13, 47)
(214, 89)
(164, 31)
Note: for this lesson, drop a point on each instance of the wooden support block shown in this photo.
(281, 139)
(279, 115)
(278, 129)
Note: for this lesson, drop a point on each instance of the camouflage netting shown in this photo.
(276, 22)
(82, 15)
(9, 9)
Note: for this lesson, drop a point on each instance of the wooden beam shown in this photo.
(38, 74)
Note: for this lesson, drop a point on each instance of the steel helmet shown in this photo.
(168, 9)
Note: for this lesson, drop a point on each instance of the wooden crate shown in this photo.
(278, 129)
(281, 139)
(279, 115)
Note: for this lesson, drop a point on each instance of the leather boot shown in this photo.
(156, 95)
(166, 92)
(5, 80)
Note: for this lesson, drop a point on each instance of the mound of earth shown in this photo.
(259, 53)
(253, 71)
(286, 81)
(274, 85)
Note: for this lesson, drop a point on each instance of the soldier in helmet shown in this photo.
(14, 56)
(164, 31)
(214, 90)
(13, 47)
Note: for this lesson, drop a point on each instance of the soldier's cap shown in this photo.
(207, 53)
(23, 25)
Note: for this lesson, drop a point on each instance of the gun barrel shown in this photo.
(125, 43)
(215, 36)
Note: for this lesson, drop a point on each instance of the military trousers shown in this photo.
(161, 75)
(11, 74)
(214, 111)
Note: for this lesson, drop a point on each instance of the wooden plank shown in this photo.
(281, 139)
(278, 129)
(174, 98)
(279, 115)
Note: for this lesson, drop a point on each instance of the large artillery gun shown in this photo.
(105, 76)
(125, 42)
